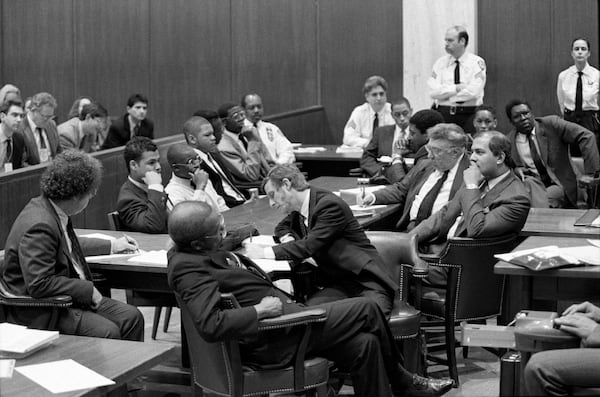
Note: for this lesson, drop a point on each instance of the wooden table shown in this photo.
(118, 360)
(327, 162)
(555, 222)
(543, 290)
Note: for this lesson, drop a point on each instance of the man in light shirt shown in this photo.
(279, 147)
(188, 181)
(142, 202)
(375, 112)
(457, 80)
(39, 129)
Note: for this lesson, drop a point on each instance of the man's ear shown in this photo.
(133, 164)
(286, 183)
(501, 158)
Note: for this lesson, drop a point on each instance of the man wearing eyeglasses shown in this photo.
(247, 158)
(41, 135)
(432, 182)
(188, 181)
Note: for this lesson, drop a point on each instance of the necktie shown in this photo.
(136, 130)
(537, 160)
(579, 93)
(243, 140)
(8, 156)
(303, 228)
(375, 121)
(42, 141)
(224, 179)
(427, 204)
(77, 254)
(457, 72)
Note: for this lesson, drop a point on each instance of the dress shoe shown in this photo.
(425, 387)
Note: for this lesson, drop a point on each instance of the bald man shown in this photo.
(189, 181)
(355, 334)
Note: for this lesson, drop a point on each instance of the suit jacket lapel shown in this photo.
(311, 207)
(387, 141)
(458, 179)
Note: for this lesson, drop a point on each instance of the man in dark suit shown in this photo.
(493, 202)
(199, 134)
(142, 202)
(39, 129)
(431, 183)
(244, 153)
(319, 225)
(44, 257)
(355, 334)
(12, 143)
(540, 148)
(133, 123)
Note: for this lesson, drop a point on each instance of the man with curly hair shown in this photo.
(44, 257)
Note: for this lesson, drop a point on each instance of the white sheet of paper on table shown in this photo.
(98, 235)
(357, 190)
(154, 257)
(64, 376)
(357, 207)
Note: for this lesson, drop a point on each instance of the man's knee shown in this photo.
(108, 330)
(533, 372)
(133, 326)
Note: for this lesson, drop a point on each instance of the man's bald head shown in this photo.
(191, 222)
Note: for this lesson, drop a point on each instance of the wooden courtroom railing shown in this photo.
(19, 186)
(308, 125)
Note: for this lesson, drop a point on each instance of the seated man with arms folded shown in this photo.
(44, 257)
(433, 182)
(244, 153)
(142, 202)
(320, 227)
(188, 181)
(355, 334)
(493, 202)
(375, 112)
(540, 147)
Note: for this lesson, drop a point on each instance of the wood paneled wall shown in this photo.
(191, 54)
(526, 44)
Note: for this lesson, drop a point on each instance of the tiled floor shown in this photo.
(479, 373)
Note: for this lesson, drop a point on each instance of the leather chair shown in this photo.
(405, 320)
(146, 298)
(8, 299)
(217, 367)
(473, 292)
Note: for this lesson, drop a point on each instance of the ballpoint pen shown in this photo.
(133, 242)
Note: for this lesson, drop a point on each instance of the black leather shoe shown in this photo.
(425, 387)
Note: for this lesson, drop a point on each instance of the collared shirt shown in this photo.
(522, 144)
(566, 87)
(180, 189)
(359, 128)
(64, 220)
(227, 187)
(3, 139)
(444, 195)
(236, 139)
(304, 207)
(157, 186)
(490, 185)
(278, 146)
(472, 73)
(44, 153)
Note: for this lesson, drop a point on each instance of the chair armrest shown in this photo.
(293, 319)
(28, 301)
(356, 172)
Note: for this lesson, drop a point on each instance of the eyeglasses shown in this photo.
(192, 163)
(240, 114)
(436, 151)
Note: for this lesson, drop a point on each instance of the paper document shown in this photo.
(6, 368)
(594, 242)
(313, 149)
(271, 265)
(98, 235)
(151, 257)
(262, 239)
(348, 149)
(357, 207)
(17, 341)
(106, 258)
(587, 254)
(358, 190)
(64, 376)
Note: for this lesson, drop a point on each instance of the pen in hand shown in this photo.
(131, 241)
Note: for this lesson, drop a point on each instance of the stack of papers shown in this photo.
(312, 149)
(17, 341)
(152, 257)
(553, 257)
(348, 149)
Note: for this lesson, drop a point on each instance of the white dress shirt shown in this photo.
(567, 85)
(359, 128)
(180, 189)
(472, 73)
(44, 153)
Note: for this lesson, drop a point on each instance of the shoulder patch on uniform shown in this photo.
(434, 75)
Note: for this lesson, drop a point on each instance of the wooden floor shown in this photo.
(479, 373)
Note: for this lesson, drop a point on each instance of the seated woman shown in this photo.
(376, 112)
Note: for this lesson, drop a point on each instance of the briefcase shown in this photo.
(510, 374)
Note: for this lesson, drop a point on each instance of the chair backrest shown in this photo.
(212, 366)
(114, 222)
(393, 248)
(474, 291)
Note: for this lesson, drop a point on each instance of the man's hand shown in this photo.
(250, 132)
(577, 324)
(364, 201)
(520, 173)
(152, 178)
(588, 181)
(586, 308)
(255, 250)
(472, 175)
(96, 299)
(268, 307)
(124, 245)
(200, 178)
